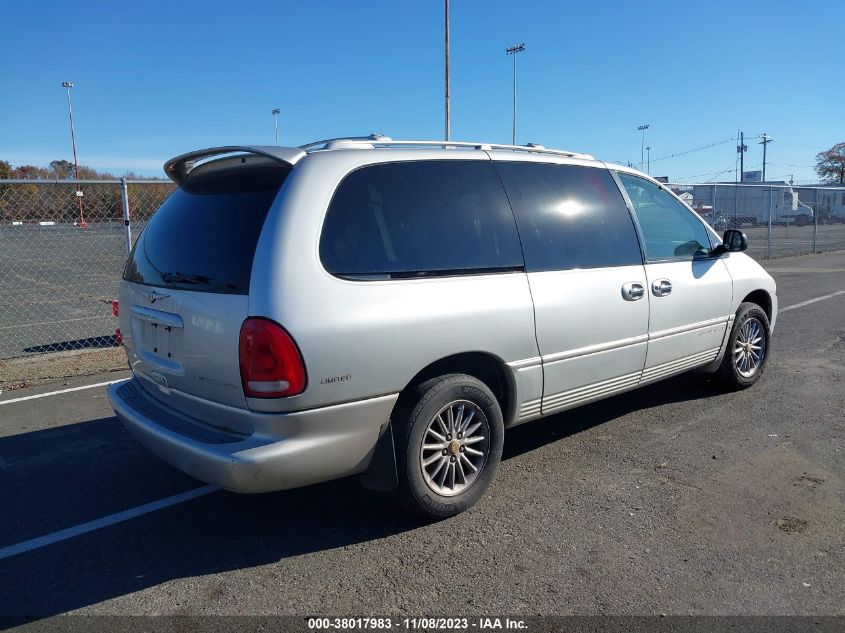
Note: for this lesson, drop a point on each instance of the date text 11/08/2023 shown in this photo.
(416, 624)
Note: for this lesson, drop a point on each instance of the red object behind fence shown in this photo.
(115, 311)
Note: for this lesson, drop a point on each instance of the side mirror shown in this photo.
(733, 241)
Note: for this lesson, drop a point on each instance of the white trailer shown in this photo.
(737, 205)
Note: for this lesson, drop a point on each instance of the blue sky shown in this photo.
(156, 79)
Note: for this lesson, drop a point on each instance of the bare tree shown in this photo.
(830, 164)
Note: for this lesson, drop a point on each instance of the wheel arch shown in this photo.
(488, 368)
(761, 298)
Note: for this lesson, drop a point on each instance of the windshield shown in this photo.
(204, 236)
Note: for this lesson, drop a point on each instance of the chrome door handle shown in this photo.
(632, 291)
(661, 287)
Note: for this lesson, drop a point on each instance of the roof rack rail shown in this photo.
(375, 136)
(379, 140)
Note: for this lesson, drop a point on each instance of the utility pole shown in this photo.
(276, 112)
(642, 128)
(67, 85)
(648, 153)
(513, 50)
(766, 140)
(448, 112)
(741, 149)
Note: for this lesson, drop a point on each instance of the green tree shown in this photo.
(61, 169)
(830, 164)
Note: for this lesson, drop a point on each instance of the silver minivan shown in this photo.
(388, 308)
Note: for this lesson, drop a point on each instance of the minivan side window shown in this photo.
(669, 229)
(409, 219)
(569, 216)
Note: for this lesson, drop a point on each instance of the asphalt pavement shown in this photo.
(676, 498)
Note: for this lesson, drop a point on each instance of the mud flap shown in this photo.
(381, 473)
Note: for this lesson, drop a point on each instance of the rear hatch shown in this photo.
(186, 286)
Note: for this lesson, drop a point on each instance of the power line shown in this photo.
(703, 147)
(727, 169)
(714, 174)
(695, 149)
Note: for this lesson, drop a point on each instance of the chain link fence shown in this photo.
(779, 220)
(63, 245)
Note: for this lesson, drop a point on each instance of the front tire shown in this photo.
(748, 348)
(450, 436)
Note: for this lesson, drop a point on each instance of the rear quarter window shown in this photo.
(204, 236)
(420, 218)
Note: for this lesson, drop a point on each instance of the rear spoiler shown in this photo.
(177, 169)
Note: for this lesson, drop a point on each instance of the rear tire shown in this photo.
(449, 442)
(748, 348)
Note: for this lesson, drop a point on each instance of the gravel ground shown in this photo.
(18, 373)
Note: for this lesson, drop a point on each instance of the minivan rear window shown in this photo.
(423, 218)
(203, 237)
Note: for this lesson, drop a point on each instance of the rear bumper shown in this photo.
(290, 450)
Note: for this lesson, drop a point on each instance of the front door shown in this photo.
(690, 293)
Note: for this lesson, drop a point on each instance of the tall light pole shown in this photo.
(67, 85)
(448, 112)
(513, 50)
(276, 112)
(766, 140)
(648, 153)
(642, 128)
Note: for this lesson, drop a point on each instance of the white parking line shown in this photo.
(96, 524)
(809, 301)
(53, 393)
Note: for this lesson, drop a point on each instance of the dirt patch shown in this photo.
(18, 373)
(810, 480)
(778, 487)
(791, 525)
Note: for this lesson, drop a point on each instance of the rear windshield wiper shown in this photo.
(183, 278)
(194, 280)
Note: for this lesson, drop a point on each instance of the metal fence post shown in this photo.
(127, 228)
(41, 239)
(769, 237)
(713, 210)
(815, 220)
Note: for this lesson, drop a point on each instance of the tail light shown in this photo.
(271, 365)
